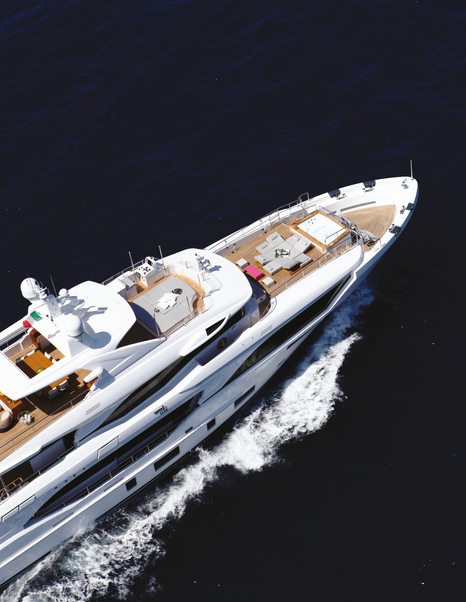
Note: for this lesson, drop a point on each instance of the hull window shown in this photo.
(290, 328)
(160, 380)
(211, 424)
(131, 483)
(240, 399)
(119, 459)
(28, 470)
(166, 458)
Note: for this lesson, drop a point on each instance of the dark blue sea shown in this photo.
(128, 125)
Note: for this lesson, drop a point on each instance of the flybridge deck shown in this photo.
(166, 294)
(50, 359)
(162, 299)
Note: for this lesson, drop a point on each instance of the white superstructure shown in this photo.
(103, 387)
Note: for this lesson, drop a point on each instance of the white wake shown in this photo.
(107, 559)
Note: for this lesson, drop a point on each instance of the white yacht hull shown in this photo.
(36, 541)
(20, 548)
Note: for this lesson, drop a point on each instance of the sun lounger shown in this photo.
(272, 267)
(254, 272)
(275, 239)
(303, 244)
(300, 243)
(292, 240)
(264, 248)
(291, 263)
(303, 259)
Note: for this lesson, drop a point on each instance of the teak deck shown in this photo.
(376, 220)
(43, 410)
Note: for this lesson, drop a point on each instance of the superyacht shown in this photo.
(105, 387)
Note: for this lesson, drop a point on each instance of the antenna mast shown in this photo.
(53, 284)
(163, 261)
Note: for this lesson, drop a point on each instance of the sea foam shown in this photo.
(108, 558)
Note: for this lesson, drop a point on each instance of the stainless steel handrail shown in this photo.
(267, 220)
(8, 488)
(128, 269)
(33, 427)
(117, 469)
(349, 242)
(264, 223)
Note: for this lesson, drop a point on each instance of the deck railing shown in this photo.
(130, 268)
(299, 208)
(12, 338)
(192, 310)
(340, 248)
(115, 471)
(8, 488)
(121, 465)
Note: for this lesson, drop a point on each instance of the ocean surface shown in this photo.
(128, 125)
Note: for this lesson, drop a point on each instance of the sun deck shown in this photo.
(163, 306)
(328, 245)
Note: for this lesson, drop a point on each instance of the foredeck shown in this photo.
(376, 220)
(244, 252)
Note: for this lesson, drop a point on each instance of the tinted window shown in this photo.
(240, 399)
(97, 474)
(213, 328)
(289, 329)
(160, 380)
(166, 458)
(131, 483)
(220, 341)
(144, 392)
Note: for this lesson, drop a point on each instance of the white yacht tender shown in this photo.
(106, 386)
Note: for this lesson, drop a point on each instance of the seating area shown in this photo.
(279, 253)
(163, 306)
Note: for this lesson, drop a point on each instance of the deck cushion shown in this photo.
(6, 420)
(254, 272)
(272, 267)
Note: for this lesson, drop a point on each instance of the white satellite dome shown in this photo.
(72, 325)
(31, 289)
